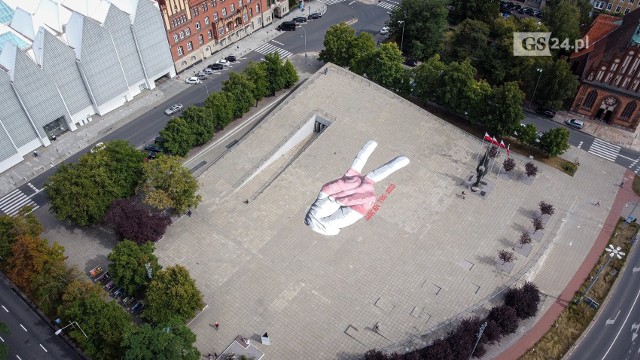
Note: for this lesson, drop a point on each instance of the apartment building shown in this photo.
(622, 7)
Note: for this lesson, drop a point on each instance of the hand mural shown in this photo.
(346, 200)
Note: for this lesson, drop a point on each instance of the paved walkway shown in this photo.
(546, 319)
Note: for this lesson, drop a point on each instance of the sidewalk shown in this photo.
(546, 320)
(72, 142)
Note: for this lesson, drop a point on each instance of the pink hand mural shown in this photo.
(346, 200)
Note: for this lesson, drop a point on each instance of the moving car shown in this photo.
(314, 16)
(300, 19)
(231, 58)
(216, 66)
(546, 112)
(193, 80)
(384, 30)
(173, 109)
(575, 123)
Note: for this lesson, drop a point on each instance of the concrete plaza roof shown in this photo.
(425, 257)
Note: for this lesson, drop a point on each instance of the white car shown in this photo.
(97, 147)
(173, 109)
(223, 62)
(384, 30)
(193, 80)
(207, 71)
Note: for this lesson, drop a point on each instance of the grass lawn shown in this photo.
(576, 317)
(636, 185)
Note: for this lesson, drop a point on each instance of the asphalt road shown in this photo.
(30, 337)
(614, 333)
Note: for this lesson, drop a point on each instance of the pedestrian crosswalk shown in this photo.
(389, 5)
(11, 203)
(331, 2)
(604, 149)
(269, 48)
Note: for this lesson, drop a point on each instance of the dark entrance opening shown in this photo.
(56, 128)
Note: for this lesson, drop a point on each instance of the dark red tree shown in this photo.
(509, 164)
(546, 209)
(524, 300)
(131, 221)
(505, 256)
(492, 333)
(525, 238)
(505, 317)
(438, 350)
(537, 224)
(493, 151)
(530, 169)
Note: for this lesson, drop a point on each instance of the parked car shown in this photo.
(575, 123)
(546, 112)
(287, 26)
(152, 148)
(314, 16)
(224, 62)
(410, 62)
(216, 66)
(173, 109)
(516, 7)
(384, 30)
(300, 19)
(207, 71)
(159, 140)
(202, 77)
(231, 58)
(193, 80)
(97, 147)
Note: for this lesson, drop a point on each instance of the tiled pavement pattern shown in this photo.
(425, 257)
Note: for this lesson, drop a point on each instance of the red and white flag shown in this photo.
(494, 141)
(508, 152)
(487, 137)
(502, 144)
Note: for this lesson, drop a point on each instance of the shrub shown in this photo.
(505, 317)
(537, 224)
(506, 256)
(546, 208)
(509, 164)
(525, 238)
(131, 221)
(530, 169)
(524, 300)
(493, 151)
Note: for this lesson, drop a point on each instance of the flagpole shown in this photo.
(483, 139)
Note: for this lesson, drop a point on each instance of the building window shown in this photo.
(244, 17)
(195, 11)
(616, 82)
(628, 110)
(626, 11)
(618, 8)
(187, 31)
(224, 12)
(590, 100)
(634, 86)
(608, 78)
(635, 66)
(614, 66)
(221, 30)
(239, 4)
(175, 37)
(626, 82)
(631, 1)
(205, 7)
(250, 12)
(213, 3)
(189, 46)
(232, 8)
(206, 20)
(598, 5)
(180, 52)
(215, 16)
(200, 39)
(609, 6)
(257, 8)
(209, 34)
(197, 25)
(181, 34)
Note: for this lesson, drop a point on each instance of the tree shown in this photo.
(179, 136)
(379, 355)
(527, 134)
(428, 78)
(257, 74)
(508, 164)
(525, 238)
(524, 300)
(131, 221)
(505, 256)
(563, 21)
(537, 224)
(124, 163)
(384, 67)
(201, 122)
(463, 338)
(240, 88)
(337, 44)
(425, 22)
(458, 79)
(11, 228)
(128, 267)
(505, 317)
(4, 349)
(291, 74)
(168, 184)
(545, 208)
(31, 256)
(276, 77)
(482, 10)
(470, 40)
(172, 292)
(49, 285)
(493, 152)
(530, 169)
(557, 80)
(440, 349)
(555, 141)
(504, 109)
(170, 340)
(221, 108)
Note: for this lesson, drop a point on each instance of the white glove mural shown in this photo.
(346, 200)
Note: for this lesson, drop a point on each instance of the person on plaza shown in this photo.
(216, 325)
(463, 195)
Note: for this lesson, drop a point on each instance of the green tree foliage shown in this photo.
(557, 84)
(425, 22)
(504, 109)
(276, 77)
(132, 221)
(257, 74)
(363, 46)
(32, 256)
(527, 134)
(167, 184)
(291, 74)
(428, 78)
(201, 122)
(221, 107)
(179, 136)
(168, 341)
(337, 45)
(127, 267)
(458, 79)
(555, 141)
(4, 349)
(82, 192)
(563, 20)
(481, 10)
(49, 285)
(239, 87)
(13, 227)
(172, 292)
(470, 40)
(105, 324)
(384, 67)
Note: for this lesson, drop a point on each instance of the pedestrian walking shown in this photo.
(463, 195)
(189, 213)
(35, 154)
(216, 325)
(622, 183)
(598, 203)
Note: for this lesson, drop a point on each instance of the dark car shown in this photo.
(231, 58)
(152, 148)
(300, 19)
(287, 26)
(516, 7)
(314, 16)
(546, 112)
(216, 66)
(410, 62)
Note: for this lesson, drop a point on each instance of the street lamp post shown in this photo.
(478, 336)
(305, 45)
(613, 252)
(402, 37)
(536, 87)
(71, 324)
(206, 88)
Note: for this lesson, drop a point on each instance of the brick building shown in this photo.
(196, 29)
(621, 7)
(609, 71)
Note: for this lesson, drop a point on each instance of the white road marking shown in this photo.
(604, 149)
(45, 350)
(635, 269)
(5, 309)
(1, 339)
(277, 42)
(611, 321)
(624, 322)
(634, 330)
(19, 358)
(24, 328)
